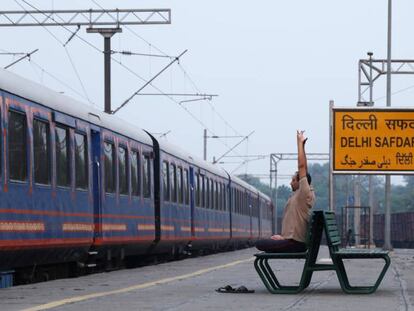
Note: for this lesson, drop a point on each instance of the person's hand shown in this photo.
(277, 237)
(300, 137)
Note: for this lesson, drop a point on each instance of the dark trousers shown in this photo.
(280, 246)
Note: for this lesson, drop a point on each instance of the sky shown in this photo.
(274, 65)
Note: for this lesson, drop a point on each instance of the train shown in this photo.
(82, 188)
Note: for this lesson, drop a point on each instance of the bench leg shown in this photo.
(267, 281)
(271, 282)
(348, 288)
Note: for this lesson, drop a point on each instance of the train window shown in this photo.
(180, 184)
(135, 174)
(224, 198)
(166, 181)
(173, 181)
(242, 203)
(212, 206)
(147, 176)
(81, 161)
(211, 194)
(109, 156)
(17, 146)
(185, 182)
(207, 181)
(196, 190)
(213, 202)
(223, 194)
(232, 200)
(62, 157)
(243, 212)
(219, 207)
(239, 203)
(122, 170)
(41, 152)
(235, 200)
(202, 191)
(216, 196)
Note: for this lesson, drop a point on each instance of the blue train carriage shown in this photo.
(76, 182)
(266, 215)
(211, 208)
(245, 217)
(172, 199)
(46, 205)
(123, 190)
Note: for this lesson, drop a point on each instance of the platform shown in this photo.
(190, 285)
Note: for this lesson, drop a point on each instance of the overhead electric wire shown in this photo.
(210, 104)
(127, 68)
(133, 32)
(182, 68)
(51, 33)
(77, 74)
(185, 73)
(28, 55)
(63, 45)
(12, 54)
(396, 92)
(129, 53)
(55, 78)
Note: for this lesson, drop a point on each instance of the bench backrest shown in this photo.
(333, 237)
(314, 233)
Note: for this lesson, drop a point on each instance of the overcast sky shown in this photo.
(274, 64)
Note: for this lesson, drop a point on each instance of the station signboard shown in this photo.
(366, 140)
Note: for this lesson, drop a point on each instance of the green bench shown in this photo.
(319, 222)
(338, 254)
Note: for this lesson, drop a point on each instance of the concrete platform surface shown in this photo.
(190, 285)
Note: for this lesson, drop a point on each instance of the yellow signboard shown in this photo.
(373, 140)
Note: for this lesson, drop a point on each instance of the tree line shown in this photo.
(402, 196)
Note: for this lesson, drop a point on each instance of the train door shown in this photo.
(97, 180)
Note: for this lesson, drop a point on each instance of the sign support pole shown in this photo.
(387, 221)
(331, 177)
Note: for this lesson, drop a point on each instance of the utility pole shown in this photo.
(107, 34)
(91, 19)
(387, 221)
(371, 178)
(331, 175)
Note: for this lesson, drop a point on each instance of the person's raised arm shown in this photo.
(302, 162)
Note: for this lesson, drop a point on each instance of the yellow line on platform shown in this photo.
(62, 302)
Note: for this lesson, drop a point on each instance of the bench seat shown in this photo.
(361, 252)
(320, 221)
(338, 254)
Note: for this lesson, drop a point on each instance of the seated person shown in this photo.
(297, 210)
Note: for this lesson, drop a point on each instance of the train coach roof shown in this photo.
(180, 153)
(242, 183)
(42, 95)
(264, 196)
